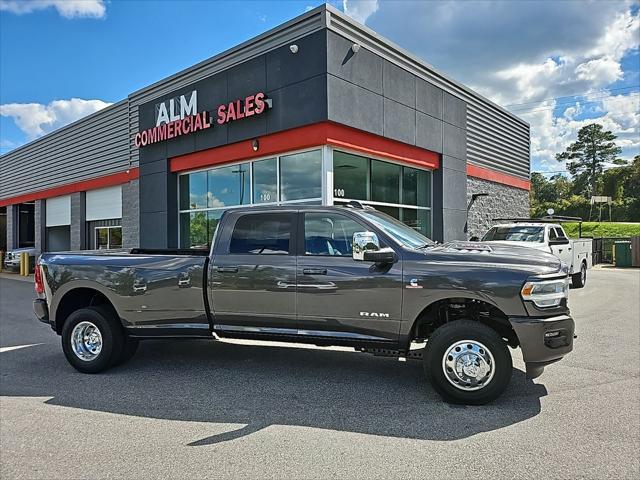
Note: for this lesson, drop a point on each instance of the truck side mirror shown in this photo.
(559, 241)
(366, 247)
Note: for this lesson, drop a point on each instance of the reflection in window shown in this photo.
(261, 234)
(194, 230)
(350, 176)
(203, 196)
(329, 234)
(385, 182)
(108, 238)
(416, 187)
(417, 219)
(265, 181)
(301, 175)
(193, 191)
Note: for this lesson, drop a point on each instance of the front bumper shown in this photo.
(41, 309)
(543, 340)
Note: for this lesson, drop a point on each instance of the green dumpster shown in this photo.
(622, 254)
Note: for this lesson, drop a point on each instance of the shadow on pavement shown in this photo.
(260, 386)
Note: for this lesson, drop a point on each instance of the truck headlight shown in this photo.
(546, 293)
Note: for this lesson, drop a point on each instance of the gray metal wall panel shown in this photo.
(488, 125)
(94, 146)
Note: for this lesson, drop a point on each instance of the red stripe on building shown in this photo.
(91, 184)
(325, 133)
(493, 176)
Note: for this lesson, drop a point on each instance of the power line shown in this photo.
(595, 99)
(573, 95)
(542, 109)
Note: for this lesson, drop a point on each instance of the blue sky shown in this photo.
(559, 65)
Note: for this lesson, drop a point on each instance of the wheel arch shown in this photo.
(73, 296)
(450, 309)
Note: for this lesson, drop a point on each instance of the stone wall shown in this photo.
(503, 201)
(130, 215)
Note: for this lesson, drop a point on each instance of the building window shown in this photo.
(205, 195)
(108, 238)
(397, 190)
(301, 176)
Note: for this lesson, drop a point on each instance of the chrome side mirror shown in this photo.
(366, 247)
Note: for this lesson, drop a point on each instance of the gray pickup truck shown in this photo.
(348, 276)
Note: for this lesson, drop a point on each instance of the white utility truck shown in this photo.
(547, 235)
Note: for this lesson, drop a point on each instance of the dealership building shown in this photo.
(320, 110)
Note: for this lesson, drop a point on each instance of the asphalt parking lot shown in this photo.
(206, 409)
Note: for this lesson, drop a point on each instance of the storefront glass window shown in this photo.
(400, 191)
(301, 176)
(193, 191)
(416, 187)
(228, 186)
(350, 176)
(265, 181)
(108, 238)
(205, 195)
(385, 182)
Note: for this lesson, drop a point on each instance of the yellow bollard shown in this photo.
(24, 264)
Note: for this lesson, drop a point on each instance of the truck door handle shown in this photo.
(227, 269)
(314, 271)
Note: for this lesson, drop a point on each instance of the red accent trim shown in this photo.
(325, 133)
(493, 176)
(100, 182)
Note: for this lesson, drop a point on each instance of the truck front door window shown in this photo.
(261, 234)
(329, 234)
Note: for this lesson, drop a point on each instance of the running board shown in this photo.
(383, 352)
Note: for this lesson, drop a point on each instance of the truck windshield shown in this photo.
(515, 234)
(403, 234)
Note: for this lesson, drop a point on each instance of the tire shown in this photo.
(129, 349)
(100, 325)
(579, 280)
(492, 366)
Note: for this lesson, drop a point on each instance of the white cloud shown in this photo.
(360, 10)
(529, 51)
(36, 119)
(621, 115)
(66, 8)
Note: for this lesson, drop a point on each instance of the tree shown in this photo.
(588, 154)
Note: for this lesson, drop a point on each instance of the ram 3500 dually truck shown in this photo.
(349, 276)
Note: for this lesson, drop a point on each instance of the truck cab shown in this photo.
(546, 237)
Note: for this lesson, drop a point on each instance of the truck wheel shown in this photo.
(579, 280)
(467, 362)
(91, 339)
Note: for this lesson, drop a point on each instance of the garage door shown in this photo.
(104, 203)
(58, 211)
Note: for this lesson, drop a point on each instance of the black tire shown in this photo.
(579, 280)
(446, 337)
(129, 349)
(111, 334)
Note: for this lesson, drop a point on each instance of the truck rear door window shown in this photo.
(262, 234)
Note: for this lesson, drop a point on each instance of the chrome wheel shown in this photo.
(468, 365)
(583, 274)
(86, 341)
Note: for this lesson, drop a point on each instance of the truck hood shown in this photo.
(498, 254)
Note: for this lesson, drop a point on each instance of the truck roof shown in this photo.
(526, 224)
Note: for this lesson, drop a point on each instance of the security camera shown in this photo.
(355, 47)
(293, 48)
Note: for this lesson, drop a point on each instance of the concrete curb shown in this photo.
(15, 276)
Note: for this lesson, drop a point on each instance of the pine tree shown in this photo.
(587, 156)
